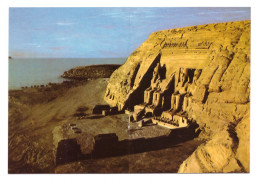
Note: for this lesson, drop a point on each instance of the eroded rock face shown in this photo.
(202, 72)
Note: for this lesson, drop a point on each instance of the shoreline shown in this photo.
(76, 74)
(34, 112)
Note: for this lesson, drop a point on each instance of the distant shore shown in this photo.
(91, 71)
(27, 72)
(80, 73)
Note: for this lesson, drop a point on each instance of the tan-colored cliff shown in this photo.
(202, 72)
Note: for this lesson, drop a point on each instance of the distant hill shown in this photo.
(92, 71)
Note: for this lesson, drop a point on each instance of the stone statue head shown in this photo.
(183, 75)
(196, 76)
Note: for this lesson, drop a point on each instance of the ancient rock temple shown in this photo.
(199, 73)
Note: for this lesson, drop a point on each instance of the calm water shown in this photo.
(27, 72)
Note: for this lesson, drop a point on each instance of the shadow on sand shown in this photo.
(69, 151)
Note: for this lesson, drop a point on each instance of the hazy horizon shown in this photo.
(38, 71)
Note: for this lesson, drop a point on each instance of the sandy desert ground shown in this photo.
(37, 117)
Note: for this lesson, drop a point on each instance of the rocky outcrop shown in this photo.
(91, 71)
(227, 151)
(203, 73)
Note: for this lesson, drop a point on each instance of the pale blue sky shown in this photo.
(100, 32)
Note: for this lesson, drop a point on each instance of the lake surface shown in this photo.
(28, 72)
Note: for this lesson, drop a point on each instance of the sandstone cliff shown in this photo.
(203, 72)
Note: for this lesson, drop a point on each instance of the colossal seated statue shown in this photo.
(148, 95)
(160, 99)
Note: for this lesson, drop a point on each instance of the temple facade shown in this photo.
(168, 101)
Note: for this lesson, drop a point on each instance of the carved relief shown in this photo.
(204, 45)
(183, 44)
